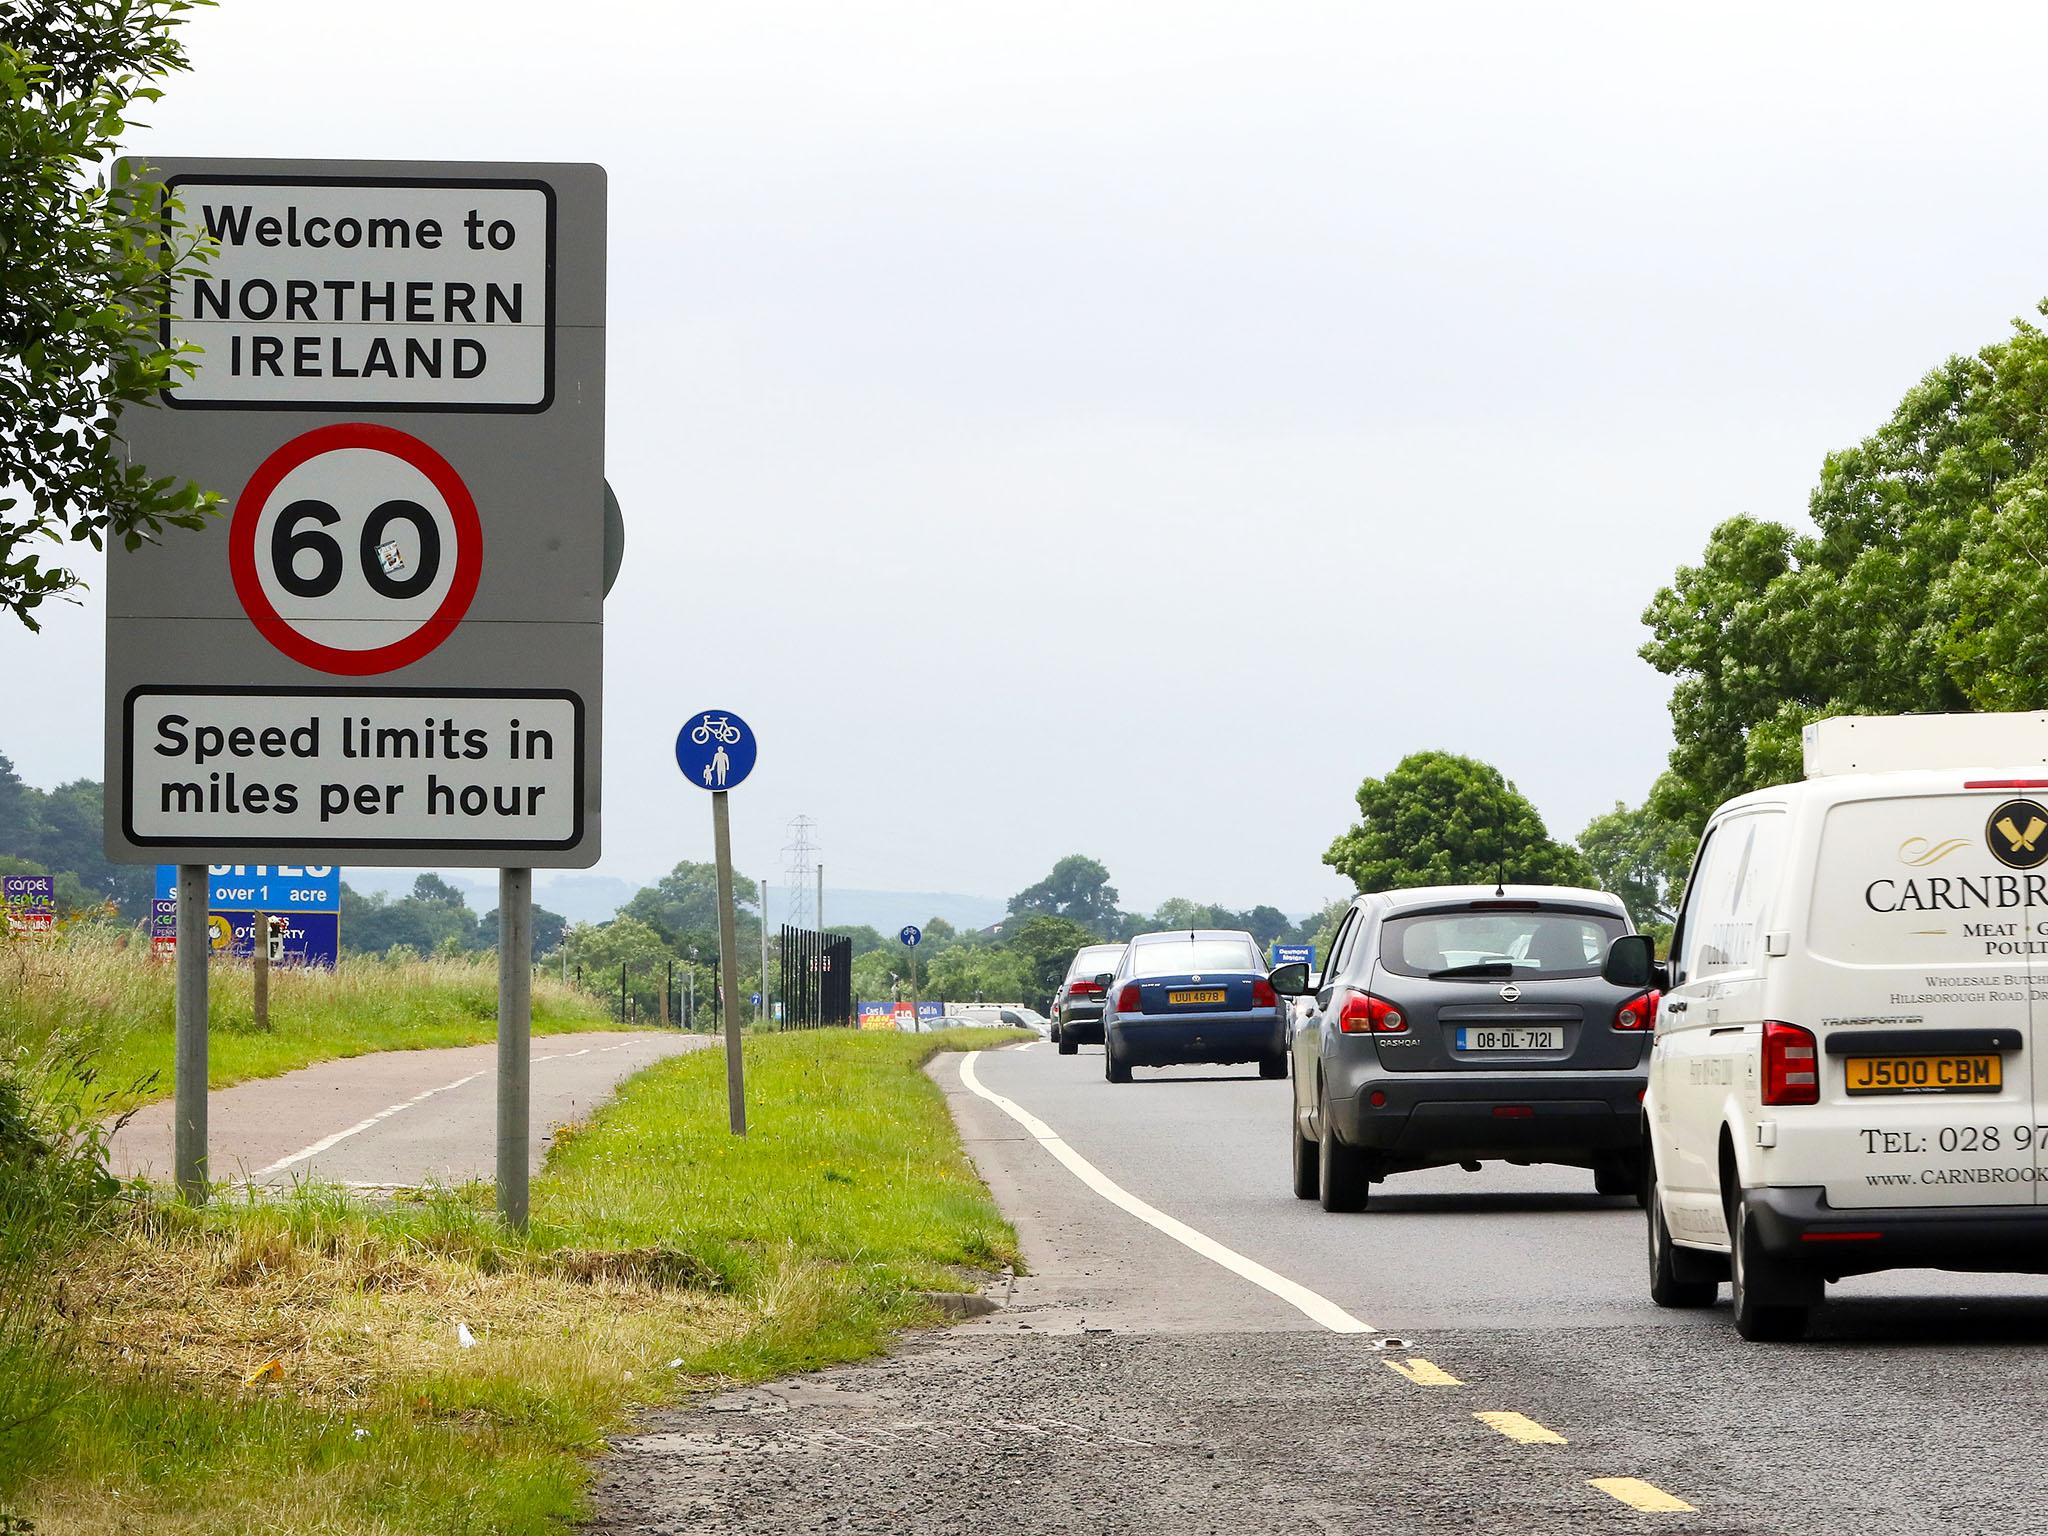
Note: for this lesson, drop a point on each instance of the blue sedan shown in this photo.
(1191, 995)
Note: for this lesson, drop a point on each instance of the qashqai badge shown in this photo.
(2017, 834)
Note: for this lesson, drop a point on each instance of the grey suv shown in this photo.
(1455, 1023)
(1077, 1006)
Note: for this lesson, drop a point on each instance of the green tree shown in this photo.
(549, 929)
(1077, 888)
(1442, 819)
(1045, 946)
(995, 973)
(1641, 857)
(682, 906)
(432, 919)
(1923, 587)
(83, 266)
(626, 944)
(1318, 928)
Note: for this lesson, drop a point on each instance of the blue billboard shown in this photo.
(303, 902)
(1288, 954)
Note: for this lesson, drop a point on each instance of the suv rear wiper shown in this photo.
(1476, 968)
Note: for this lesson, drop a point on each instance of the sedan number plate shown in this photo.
(1925, 1074)
(1205, 996)
(1474, 1039)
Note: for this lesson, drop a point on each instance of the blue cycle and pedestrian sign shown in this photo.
(911, 934)
(716, 750)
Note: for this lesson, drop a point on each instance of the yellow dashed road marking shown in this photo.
(1520, 1428)
(1637, 1494)
(1424, 1373)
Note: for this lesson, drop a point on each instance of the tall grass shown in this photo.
(665, 1255)
(98, 989)
(54, 1192)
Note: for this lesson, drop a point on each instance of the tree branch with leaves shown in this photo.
(85, 265)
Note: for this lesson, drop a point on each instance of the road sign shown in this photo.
(911, 935)
(303, 902)
(1287, 954)
(353, 520)
(929, 1013)
(262, 887)
(393, 647)
(29, 903)
(753, 999)
(716, 750)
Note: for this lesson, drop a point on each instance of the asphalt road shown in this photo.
(394, 1118)
(1133, 1383)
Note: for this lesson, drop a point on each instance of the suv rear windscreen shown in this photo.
(1093, 962)
(1539, 941)
(1191, 957)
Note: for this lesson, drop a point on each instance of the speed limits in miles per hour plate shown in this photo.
(355, 549)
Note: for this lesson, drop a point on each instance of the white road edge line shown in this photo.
(327, 1142)
(1318, 1309)
(360, 1126)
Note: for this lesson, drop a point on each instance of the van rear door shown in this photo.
(1919, 986)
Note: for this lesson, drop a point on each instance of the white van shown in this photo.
(1844, 1076)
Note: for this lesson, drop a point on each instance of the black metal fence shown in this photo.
(817, 979)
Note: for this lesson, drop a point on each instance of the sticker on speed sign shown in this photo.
(355, 549)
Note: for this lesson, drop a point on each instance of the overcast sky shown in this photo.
(1120, 428)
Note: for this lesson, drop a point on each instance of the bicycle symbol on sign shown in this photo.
(721, 728)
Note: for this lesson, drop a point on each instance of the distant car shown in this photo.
(994, 1016)
(1191, 995)
(1077, 1006)
(1460, 1023)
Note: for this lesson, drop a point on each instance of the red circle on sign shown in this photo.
(469, 549)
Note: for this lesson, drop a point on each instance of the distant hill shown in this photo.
(585, 898)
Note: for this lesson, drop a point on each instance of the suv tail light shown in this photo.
(1084, 989)
(1263, 995)
(1791, 1065)
(1364, 1014)
(1127, 1000)
(1638, 1013)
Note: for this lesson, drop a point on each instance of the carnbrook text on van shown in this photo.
(1958, 893)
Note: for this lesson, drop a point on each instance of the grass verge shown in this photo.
(664, 1256)
(113, 1005)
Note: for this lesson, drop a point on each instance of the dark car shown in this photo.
(1077, 1006)
(1192, 995)
(1461, 1023)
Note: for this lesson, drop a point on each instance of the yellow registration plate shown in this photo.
(1924, 1074)
(1196, 997)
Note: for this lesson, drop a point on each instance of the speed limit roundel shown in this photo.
(355, 548)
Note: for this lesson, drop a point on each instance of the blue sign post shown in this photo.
(911, 936)
(716, 751)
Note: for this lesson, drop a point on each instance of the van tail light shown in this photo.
(1791, 1064)
(1084, 989)
(1127, 1000)
(1263, 995)
(1364, 1014)
(1638, 1013)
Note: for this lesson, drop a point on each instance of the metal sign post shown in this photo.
(515, 1037)
(716, 751)
(188, 1112)
(912, 936)
(393, 648)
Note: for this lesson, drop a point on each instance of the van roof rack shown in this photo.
(1895, 743)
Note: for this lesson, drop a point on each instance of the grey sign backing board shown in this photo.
(392, 647)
